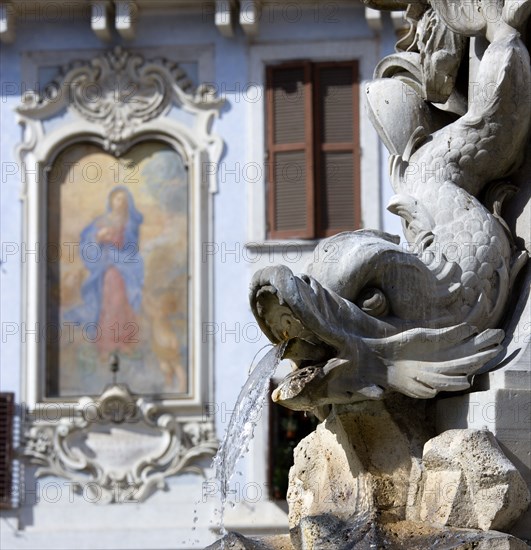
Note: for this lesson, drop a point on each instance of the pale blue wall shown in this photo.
(10, 226)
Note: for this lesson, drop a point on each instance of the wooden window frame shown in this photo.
(313, 147)
(305, 146)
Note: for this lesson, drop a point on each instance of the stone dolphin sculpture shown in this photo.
(370, 315)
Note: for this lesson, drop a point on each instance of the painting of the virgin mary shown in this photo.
(120, 283)
(112, 293)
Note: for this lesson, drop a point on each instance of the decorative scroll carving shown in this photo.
(119, 91)
(117, 447)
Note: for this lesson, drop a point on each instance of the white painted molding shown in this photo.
(399, 20)
(126, 18)
(250, 16)
(100, 19)
(117, 110)
(374, 19)
(223, 17)
(118, 447)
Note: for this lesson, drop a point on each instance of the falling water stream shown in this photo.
(243, 421)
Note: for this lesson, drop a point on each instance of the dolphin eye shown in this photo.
(373, 302)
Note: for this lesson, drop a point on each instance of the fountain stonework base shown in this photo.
(416, 356)
(361, 479)
(371, 477)
(358, 464)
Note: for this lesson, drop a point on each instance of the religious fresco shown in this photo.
(117, 271)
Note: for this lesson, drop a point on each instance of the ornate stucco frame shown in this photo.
(65, 113)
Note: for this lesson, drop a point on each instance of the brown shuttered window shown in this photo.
(313, 149)
(6, 448)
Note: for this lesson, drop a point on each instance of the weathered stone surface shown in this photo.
(413, 536)
(235, 541)
(328, 477)
(360, 472)
(328, 533)
(360, 460)
(469, 482)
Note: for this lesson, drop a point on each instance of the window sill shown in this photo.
(280, 244)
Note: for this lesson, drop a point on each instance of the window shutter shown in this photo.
(337, 147)
(6, 448)
(290, 162)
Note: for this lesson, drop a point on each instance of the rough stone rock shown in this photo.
(328, 533)
(328, 477)
(360, 461)
(235, 541)
(407, 535)
(469, 482)
(333, 534)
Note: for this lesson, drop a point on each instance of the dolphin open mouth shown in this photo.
(304, 347)
(317, 325)
(308, 353)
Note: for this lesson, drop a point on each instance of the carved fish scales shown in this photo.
(371, 315)
(454, 165)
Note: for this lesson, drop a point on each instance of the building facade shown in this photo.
(155, 154)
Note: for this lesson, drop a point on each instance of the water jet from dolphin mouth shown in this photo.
(243, 422)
